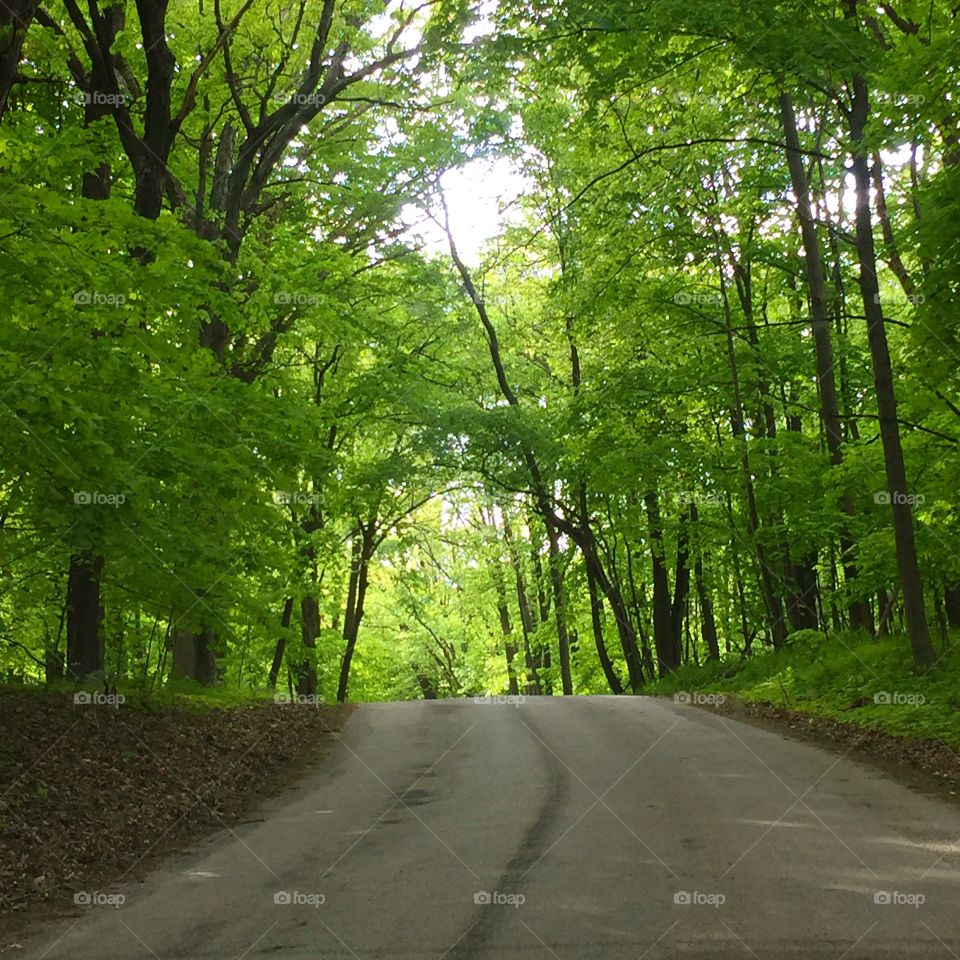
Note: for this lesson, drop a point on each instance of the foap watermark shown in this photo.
(914, 299)
(898, 497)
(299, 99)
(700, 699)
(96, 498)
(299, 699)
(897, 898)
(99, 98)
(696, 898)
(296, 298)
(686, 298)
(295, 497)
(296, 898)
(896, 698)
(498, 899)
(97, 298)
(86, 698)
(514, 699)
(94, 898)
(686, 497)
(480, 299)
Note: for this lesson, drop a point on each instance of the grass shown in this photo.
(846, 676)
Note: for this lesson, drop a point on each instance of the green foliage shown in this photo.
(847, 677)
(263, 396)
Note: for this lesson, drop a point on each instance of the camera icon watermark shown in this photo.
(95, 498)
(898, 497)
(313, 99)
(296, 898)
(485, 898)
(94, 898)
(895, 698)
(914, 299)
(88, 98)
(299, 699)
(896, 898)
(686, 497)
(86, 698)
(296, 298)
(96, 298)
(700, 699)
(695, 898)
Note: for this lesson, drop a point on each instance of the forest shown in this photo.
(278, 418)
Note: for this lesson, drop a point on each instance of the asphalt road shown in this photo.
(568, 828)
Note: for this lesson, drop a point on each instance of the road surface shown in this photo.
(597, 827)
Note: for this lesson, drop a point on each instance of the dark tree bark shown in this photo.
(364, 545)
(84, 610)
(194, 656)
(427, 686)
(526, 615)
(681, 584)
(281, 644)
(84, 616)
(625, 630)
(951, 598)
(665, 640)
(506, 628)
(708, 625)
(911, 584)
(802, 600)
(596, 620)
(555, 562)
(15, 19)
(647, 665)
(310, 622)
(768, 586)
(859, 609)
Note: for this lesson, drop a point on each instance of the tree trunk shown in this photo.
(708, 625)
(194, 656)
(559, 608)
(506, 628)
(15, 19)
(307, 672)
(768, 586)
(359, 569)
(665, 640)
(859, 610)
(646, 657)
(426, 685)
(625, 628)
(924, 655)
(84, 612)
(802, 601)
(523, 604)
(951, 598)
(681, 585)
(84, 616)
(596, 620)
(281, 644)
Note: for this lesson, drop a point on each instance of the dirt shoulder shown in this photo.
(95, 793)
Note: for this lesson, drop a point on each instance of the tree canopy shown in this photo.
(268, 421)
